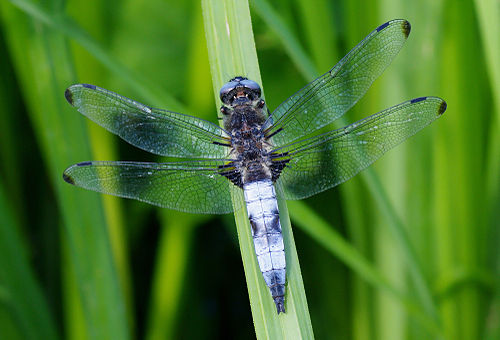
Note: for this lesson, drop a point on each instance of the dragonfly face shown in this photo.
(240, 88)
(254, 151)
(241, 103)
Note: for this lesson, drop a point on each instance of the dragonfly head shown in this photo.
(240, 91)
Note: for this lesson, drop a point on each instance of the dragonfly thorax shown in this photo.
(242, 104)
(244, 114)
(249, 144)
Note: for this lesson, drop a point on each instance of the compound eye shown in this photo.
(228, 87)
(252, 86)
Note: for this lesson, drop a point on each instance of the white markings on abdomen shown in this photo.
(262, 208)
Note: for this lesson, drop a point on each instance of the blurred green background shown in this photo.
(407, 250)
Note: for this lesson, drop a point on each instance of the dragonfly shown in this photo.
(294, 147)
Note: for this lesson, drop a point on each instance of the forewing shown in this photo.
(158, 131)
(195, 186)
(331, 95)
(324, 161)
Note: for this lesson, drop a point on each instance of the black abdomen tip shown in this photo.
(442, 108)
(69, 96)
(278, 294)
(279, 301)
(406, 28)
(68, 179)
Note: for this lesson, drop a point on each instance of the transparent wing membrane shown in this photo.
(157, 131)
(194, 187)
(331, 95)
(324, 161)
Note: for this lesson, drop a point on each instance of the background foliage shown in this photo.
(407, 250)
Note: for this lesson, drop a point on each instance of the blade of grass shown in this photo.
(392, 171)
(178, 229)
(232, 52)
(174, 247)
(21, 294)
(9, 139)
(363, 302)
(326, 235)
(313, 22)
(459, 172)
(65, 25)
(353, 20)
(290, 43)
(103, 143)
(488, 13)
(369, 176)
(63, 141)
(320, 32)
(11, 217)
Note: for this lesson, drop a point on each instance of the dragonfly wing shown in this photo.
(158, 131)
(324, 161)
(194, 186)
(331, 95)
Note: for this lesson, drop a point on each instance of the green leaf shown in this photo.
(63, 141)
(66, 26)
(20, 294)
(231, 50)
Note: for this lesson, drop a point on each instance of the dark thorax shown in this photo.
(244, 113)
(244, 110)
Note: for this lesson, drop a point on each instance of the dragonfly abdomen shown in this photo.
(262, 208)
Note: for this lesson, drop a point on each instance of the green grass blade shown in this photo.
(463, 234)
(290, 43)
(489, 25)
(70, 29)
(175, 246)
(326, 235)
(232, 52)
(10, 140)
(103, 143)
(63, 141)
(179, 229)
(20, 294)
(320, 32)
